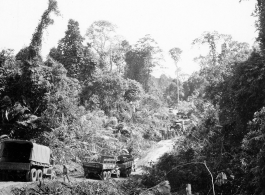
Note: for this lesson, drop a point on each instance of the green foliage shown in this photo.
(99, 188)
(194, 85)
(216, 67)
(134, 91)
(260, 23)
(242, 96)
(70, 105)
(233, 82)
(101, 37)
(63, 97)
(180, 170)
(163, 82)
(175, 54)
(253, 146)
(36, 41)
(108, 91)
(152, 176)
(150, 102)
(76, 58)
(33, 51)
(211, 39)
(141, 60)
(173, 92)
(27, 88)
(118, 54)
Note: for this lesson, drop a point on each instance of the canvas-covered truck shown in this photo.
(24, 160)
(104, 168)
(125, 163)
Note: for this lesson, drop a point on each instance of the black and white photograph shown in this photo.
(132, 97)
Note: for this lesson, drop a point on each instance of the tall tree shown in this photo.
(118, 55)
(175, 55)
(195, 84)
(36, 42)
(260, 24)
(141, 59)
(163, 82)
(108, 90)
(101, 35)
(216, 66)
(211, 39)
(25, 92)
(76, 58)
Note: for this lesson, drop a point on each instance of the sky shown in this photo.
(172, 23)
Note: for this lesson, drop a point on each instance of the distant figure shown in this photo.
(52, 159)
(65, 173)
(134, 164)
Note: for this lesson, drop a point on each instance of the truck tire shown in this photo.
(39, 175)
(109, 174)
(128, 172)
(104, 175)
(33, 175)
(118, 173)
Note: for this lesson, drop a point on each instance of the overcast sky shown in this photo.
(172, 23)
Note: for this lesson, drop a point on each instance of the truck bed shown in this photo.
(14, 166)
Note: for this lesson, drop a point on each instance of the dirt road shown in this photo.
(152, 154)
(155, 153)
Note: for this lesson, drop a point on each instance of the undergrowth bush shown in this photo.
(111, 187)
(179, 167)
(152, 176)
(56, 188)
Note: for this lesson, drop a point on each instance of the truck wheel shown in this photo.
(33, 175)
(118, 173)
(127, 173)
(104, 175)
(39, 175)
(109, 175)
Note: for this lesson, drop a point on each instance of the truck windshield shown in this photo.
(15, 151)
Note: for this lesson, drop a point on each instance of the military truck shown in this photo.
(102, 169)
(177, 127)
(24, 160)
(125, 163)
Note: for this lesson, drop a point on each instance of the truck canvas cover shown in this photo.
(23, 151)
(40, 154)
